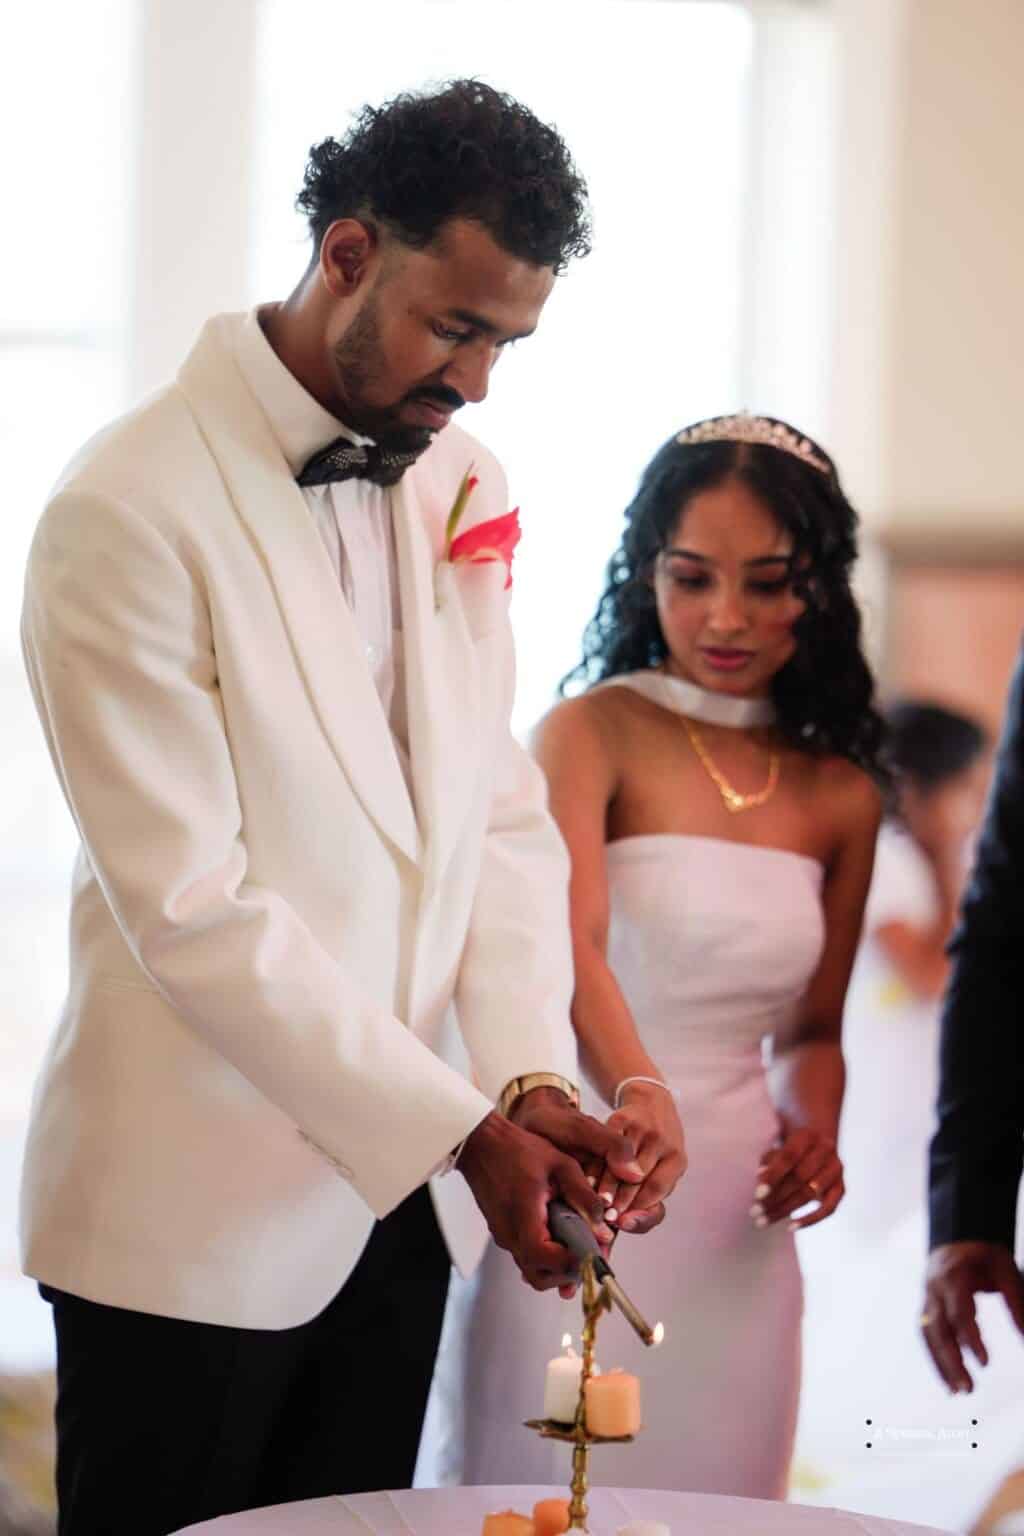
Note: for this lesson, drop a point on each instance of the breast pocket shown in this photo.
(480, 590)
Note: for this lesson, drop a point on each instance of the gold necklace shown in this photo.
(734, 801)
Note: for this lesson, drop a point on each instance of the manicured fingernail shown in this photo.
(627, 1223)
(604, 1234)
(635, 1171)
(592, 1180)
(760, 1221)
(606, 1197)
(611, 1214)
(757, 1209)
(761, 1191)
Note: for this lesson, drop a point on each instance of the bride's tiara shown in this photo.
(754, 429)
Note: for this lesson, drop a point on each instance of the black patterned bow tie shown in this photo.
(345, 460)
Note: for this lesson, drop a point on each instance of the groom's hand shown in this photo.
(515, 1173)
(548, 1113)
(595, 1147)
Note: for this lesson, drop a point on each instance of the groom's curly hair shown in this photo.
(464, 151)
(825, 694)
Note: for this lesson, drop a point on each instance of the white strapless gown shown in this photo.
(713, 944)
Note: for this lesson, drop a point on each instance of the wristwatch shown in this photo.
(513, 1091)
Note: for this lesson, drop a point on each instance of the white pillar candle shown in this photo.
(562, 1384)
(644, 1528)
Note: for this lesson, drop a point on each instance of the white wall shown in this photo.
(193, 177)
(958, 310)
(928, 354)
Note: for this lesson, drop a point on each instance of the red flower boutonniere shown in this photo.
(495, 539)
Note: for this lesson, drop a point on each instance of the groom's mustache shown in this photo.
(449, 399)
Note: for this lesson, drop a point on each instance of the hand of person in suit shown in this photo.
(956, 1273)
(516, 1167)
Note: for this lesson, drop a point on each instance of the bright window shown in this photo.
(63, 313)
(66, 115)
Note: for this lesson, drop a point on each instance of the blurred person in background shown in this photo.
(890, 1026)
(862, 1273)
(940, 758)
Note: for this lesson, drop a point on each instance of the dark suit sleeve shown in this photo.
(975, 1162)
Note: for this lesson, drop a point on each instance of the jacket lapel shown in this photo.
(327, 643)
(442, 679)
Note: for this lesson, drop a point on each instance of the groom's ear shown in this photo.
(349, 255)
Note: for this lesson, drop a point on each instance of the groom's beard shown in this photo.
(359, 360)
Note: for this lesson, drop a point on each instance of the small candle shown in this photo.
(550, 1517)
(562, 1384)
(508, 1523)
(644, 1528)
(613, 1404)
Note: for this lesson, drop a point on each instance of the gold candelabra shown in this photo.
(596, 1299)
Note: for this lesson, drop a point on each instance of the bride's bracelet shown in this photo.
(656, 1082)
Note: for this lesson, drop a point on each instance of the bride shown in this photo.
(716, 786)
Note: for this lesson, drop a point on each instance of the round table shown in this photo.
(460, 1512)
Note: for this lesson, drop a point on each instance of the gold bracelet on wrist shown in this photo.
(514, 1090)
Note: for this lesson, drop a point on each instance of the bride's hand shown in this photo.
(802, 1166)
(649, 1119)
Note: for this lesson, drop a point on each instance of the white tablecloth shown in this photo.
(460, 1512)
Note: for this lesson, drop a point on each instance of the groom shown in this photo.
(279, 714)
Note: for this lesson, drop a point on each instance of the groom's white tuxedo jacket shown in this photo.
(269, 939)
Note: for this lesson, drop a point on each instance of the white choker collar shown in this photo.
(685, 698)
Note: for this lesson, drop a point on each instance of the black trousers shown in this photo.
(162, 1423)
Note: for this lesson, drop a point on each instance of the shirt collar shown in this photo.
(299, 423)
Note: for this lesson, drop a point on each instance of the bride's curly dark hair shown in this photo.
(824, 695)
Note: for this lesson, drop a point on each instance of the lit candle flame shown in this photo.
(566, 1340)
(658, 1334)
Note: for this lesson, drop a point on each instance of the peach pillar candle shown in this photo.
(550, 1517)
(508, 1523)
(613, 1404)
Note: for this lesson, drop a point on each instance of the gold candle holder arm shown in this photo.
(569, 1228)
(600, 1290)
(595, 1301)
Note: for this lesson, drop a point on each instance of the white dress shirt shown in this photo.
(353, 518)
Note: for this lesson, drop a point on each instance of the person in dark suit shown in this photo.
(978, 1148)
